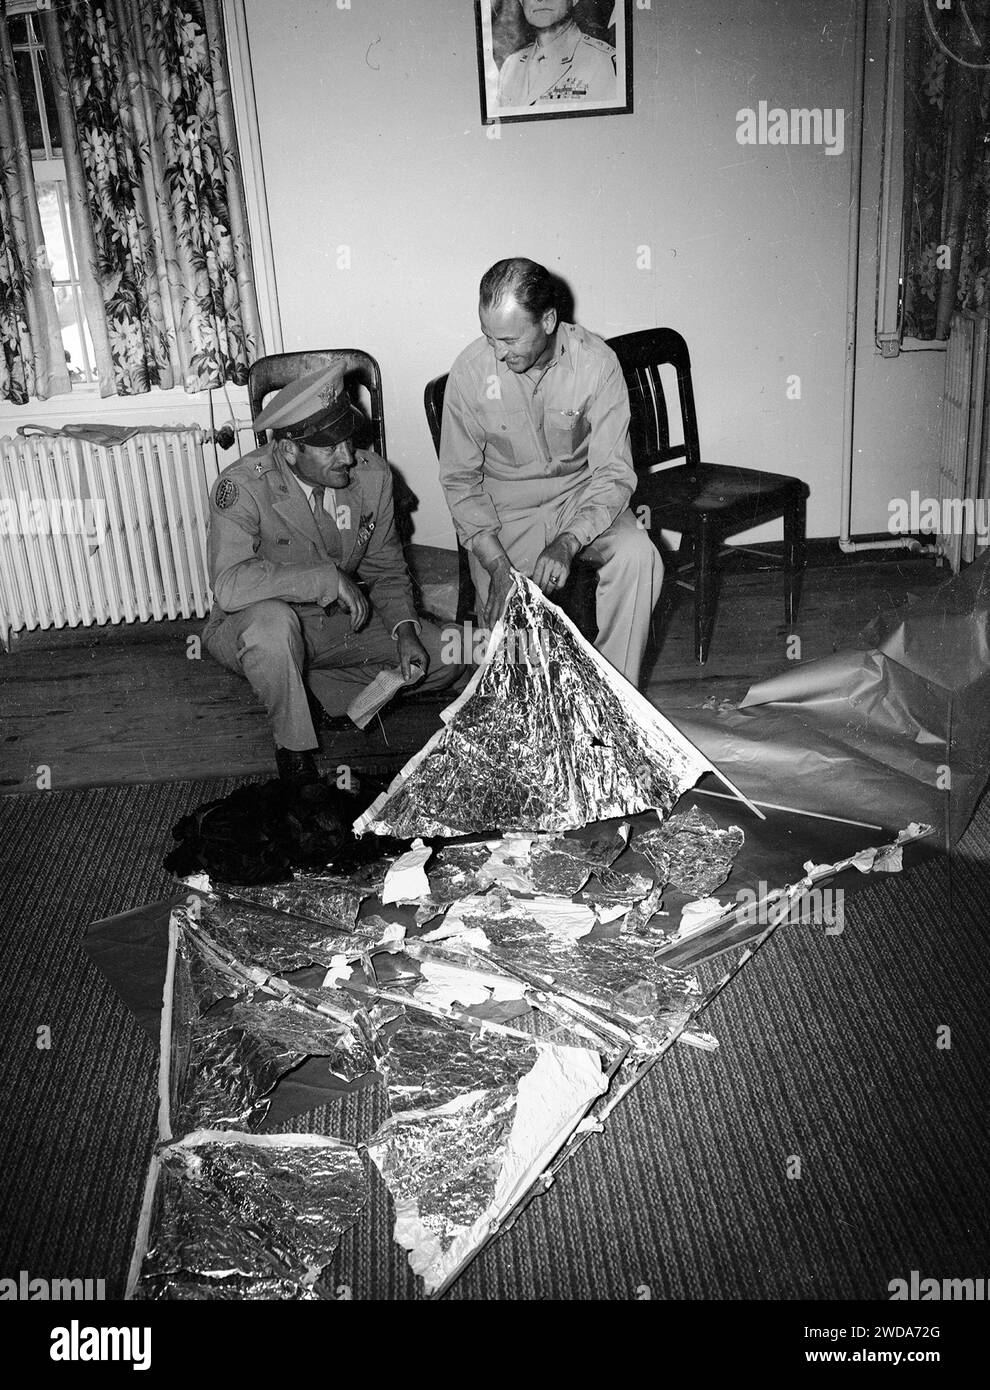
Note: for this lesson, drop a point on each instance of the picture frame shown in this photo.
(541, 60)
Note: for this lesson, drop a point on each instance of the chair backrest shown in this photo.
(641, 355)
(433, 402)
(270, 374)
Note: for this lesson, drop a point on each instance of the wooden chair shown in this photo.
(270, 374)
(578, 597)
(706, 502)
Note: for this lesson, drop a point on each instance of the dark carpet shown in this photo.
(830, 1145)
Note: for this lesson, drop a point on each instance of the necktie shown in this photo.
(324, 522)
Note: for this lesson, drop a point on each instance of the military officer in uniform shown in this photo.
(561, 64)
(294, 526)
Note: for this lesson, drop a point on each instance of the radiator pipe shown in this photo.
(846, 544)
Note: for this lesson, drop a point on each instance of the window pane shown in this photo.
(72, 333)
(51, 224)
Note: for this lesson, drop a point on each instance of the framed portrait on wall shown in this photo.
(543, 59)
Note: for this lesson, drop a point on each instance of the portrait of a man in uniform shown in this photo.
(542, 58)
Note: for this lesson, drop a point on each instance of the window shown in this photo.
(139, 266)
(41, 122)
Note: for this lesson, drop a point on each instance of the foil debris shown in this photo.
(250, 1217)
(230, 1073)
(620, 975)
(552, 741)
(322, 898)
(443, 1164)
(427, 1063)
(691, 852)
(276, 941)
(455, 1183)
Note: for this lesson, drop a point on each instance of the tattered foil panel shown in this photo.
(178, 1288)
(448, 1161)
(294, 1029)
(610, 887)
(547, 737)
(691, 852)
(237, 1055)
(642, 920)
(453, 871)
(270, 1211)
(564, 865)
(211, 979)
(230, 1072)
(620, 974)
(320, 897)
(430, 1062)
(278, 942)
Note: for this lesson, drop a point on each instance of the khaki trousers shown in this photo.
(281, 648)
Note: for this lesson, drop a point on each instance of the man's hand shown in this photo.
(352, 600)
(554, 564)
(413, 658)
(498, 591)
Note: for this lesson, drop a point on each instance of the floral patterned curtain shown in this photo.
(32, 362)
(947, 165)
(148, 87)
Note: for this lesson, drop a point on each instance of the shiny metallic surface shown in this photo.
(446, 1161)
(321, 897)
(265, 1215)
(278, 942)
(543, 742)
(691, 852)
(431, 1062)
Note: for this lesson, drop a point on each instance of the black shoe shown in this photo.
(339, 724)
(296, 766)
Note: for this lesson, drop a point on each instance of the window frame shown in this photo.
(84, 400)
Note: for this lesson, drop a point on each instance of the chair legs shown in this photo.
(795, 557)
(705, 589)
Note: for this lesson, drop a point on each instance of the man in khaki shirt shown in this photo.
(535, 461)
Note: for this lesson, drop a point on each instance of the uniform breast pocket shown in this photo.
(508, 438)
(566, 430)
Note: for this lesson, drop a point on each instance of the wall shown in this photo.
(372, 140)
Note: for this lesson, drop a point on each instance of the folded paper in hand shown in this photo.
(375, 696)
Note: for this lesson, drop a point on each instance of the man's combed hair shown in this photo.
(530, 285)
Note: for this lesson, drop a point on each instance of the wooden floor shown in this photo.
(92, 706)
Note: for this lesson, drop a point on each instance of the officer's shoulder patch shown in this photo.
(597, 43)
(225, 494)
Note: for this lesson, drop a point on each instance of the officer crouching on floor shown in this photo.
(294, 526)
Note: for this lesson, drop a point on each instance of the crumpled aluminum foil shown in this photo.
(230, 1073)
(276, 941)
(446, 1161)
(430, 1062)
(237, 1056)
(564, 865)
(691, 852)
(323, 898)
(266, 1213)
(552, 741)
(618, 974)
